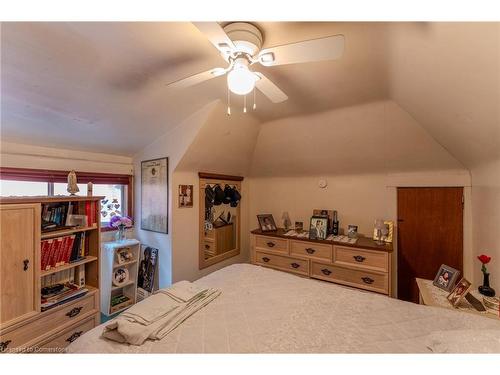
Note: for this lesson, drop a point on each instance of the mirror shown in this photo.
(220, 201)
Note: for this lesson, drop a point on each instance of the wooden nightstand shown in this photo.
(431, 295)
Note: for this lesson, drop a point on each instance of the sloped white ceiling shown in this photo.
(447, 76)
(101, 87)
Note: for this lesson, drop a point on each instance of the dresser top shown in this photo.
(362, 242)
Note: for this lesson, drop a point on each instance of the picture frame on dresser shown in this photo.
(446, 277)
(318, 227)
(266, 222)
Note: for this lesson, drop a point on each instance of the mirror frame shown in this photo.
(210, 178)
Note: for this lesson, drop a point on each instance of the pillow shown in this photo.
(465, 341)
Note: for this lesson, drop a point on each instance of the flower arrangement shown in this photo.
(485, 289)
(120, 223)
(484, 259)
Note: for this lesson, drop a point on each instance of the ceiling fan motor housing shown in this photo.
(246, 37)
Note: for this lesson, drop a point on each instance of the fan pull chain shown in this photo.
(254, 100)
(228, 102)
(245, 104)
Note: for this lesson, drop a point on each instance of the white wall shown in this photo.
(172, 145)
(17, 155)
(486, 220)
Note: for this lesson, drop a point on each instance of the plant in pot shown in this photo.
(121, 223)
(485, 289)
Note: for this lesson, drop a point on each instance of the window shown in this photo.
(117, 189)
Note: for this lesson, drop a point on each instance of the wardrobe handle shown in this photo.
(26, 264)
(266, 259)
(4, 345)
(367, 280)
(74, 336)
(310, 250)
(271, 244)
(359, 258)
(74, 312)
(326, 271)
(295, 265)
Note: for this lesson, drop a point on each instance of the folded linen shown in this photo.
(136, 326)
(183, 291)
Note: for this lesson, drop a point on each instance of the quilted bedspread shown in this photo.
(266, 311)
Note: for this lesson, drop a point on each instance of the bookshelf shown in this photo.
(27, 321)
(111, 262)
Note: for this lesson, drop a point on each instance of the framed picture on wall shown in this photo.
(154, 195)
(185, 196)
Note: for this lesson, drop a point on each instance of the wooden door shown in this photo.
(19, 262)
(430, 233)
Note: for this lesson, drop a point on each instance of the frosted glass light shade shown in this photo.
(240, 80)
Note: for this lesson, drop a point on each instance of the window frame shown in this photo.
(52, 176)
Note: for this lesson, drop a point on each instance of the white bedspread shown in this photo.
(265, 311)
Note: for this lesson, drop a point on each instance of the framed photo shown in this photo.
(185, 196)
(123, 255)
(352, 231)
(328, 214)
(387, 235)
(154, 195)
(318, 228)
(299, 226)
(459, 291)
(120, 276)
(266, 222)
(446, 277)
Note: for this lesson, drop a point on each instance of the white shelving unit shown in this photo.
(110, 262)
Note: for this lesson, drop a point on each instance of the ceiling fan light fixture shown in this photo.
(241, 80)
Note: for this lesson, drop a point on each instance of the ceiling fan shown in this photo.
(240, 44)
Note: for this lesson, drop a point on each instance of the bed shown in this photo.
(267, 311)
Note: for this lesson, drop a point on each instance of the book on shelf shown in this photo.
(58, 294)
(63, 250)
(56, 216)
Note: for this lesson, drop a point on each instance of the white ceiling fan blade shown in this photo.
(216, 35)
(197, 78)
(329, 48)
(269, 89)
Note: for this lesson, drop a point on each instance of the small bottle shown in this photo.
(335, 229)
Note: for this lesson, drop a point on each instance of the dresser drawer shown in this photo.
(271, 244)
(62, 339)
(311, 250)
(295, 265)
(367, 259)
(209, 247)
(49, 321)
(369, 280)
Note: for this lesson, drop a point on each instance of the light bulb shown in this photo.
(240, 80)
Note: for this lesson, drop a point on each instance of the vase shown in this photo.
(485, 289)
(120, 235)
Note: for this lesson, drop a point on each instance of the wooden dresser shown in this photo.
(364, 265)
(24, 327)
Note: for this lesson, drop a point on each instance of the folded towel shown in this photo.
(183, 291)
(157, 317)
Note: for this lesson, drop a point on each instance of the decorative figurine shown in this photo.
(72, 183)
(287, 223)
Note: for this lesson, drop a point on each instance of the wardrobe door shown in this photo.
(19, 262)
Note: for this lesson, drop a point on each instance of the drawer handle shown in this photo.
(310, 250)
(4, 345)
(359, 258)
(26, 264)
(74, 336)
(266, 259)
(367, 280)
(295, 265)
(326, 271)
(271, 244)
(74, 312)
(207, 247)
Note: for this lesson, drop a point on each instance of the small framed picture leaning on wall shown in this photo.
(446, 277)
(266, 222)
(318, 228)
